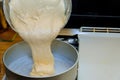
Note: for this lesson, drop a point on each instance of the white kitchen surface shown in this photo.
(99, 56)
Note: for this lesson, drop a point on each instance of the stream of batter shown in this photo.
(38, 22)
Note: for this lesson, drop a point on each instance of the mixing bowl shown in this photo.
(68, 9)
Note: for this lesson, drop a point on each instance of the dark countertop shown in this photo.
(0, 4)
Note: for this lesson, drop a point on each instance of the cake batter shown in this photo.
(38, 22)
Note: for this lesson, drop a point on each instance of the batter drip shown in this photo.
(38, 22)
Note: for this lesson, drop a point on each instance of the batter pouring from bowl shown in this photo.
(38, 22)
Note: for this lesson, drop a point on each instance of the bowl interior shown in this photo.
(18, 58)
